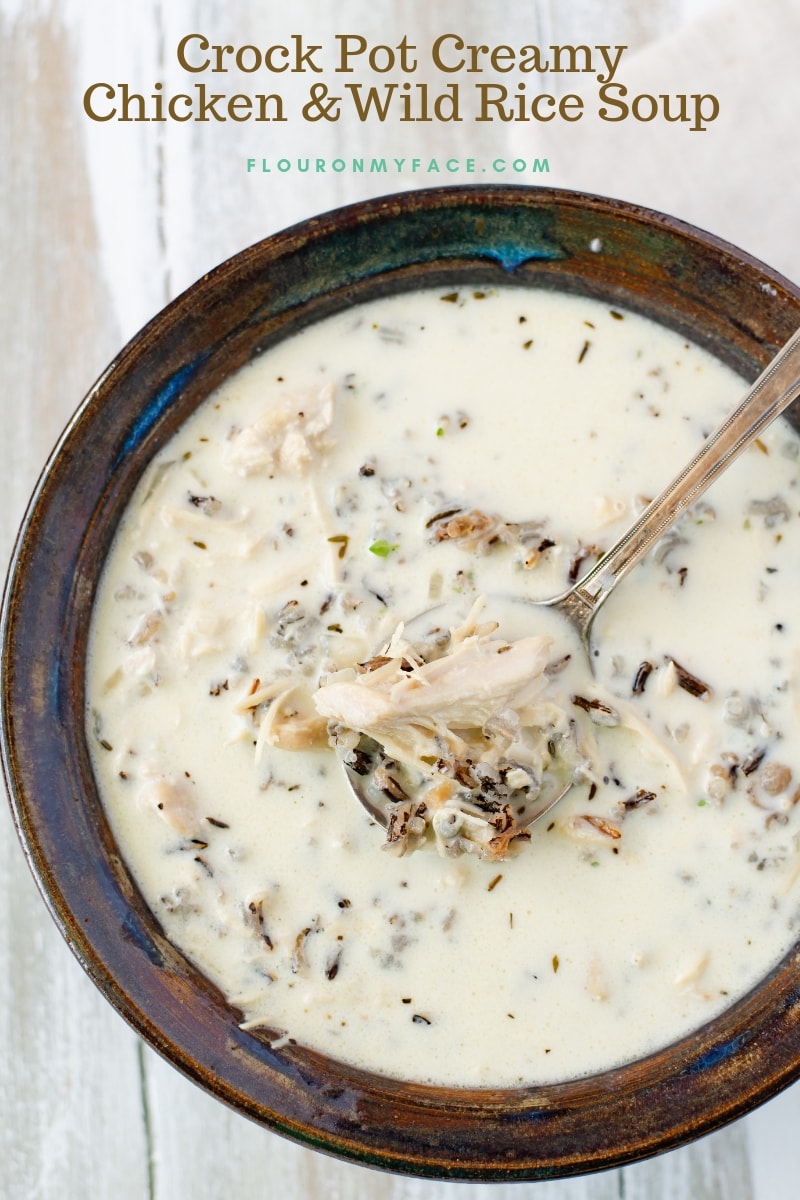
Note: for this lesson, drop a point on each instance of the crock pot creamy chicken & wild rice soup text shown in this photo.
(256, 608)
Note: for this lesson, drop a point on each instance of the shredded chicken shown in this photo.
(468, 730)
(285, 437)
(173, 800)
(289, 725)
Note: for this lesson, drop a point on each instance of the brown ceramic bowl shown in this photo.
(737, 308)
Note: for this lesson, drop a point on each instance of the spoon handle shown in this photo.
(774, 390)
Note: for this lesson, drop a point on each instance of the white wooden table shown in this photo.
(102, 223)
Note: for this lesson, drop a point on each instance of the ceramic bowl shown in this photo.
(723, 299)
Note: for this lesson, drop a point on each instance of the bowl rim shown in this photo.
(691, 1088)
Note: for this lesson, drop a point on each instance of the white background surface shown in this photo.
(101, 225)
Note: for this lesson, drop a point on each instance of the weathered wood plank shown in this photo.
(68, 1060)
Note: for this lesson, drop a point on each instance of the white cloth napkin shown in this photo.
(740, 178)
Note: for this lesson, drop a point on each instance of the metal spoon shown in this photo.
(773, 392)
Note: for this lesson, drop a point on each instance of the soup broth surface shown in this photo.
(435, 447)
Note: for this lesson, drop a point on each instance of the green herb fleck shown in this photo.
(382, 548)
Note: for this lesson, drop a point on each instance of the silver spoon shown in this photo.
(774, 390)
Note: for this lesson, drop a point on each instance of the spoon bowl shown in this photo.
(373, 775)
(360, 768)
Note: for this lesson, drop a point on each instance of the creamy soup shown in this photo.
(458, 447)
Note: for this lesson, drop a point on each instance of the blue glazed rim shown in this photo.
(530, 237)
